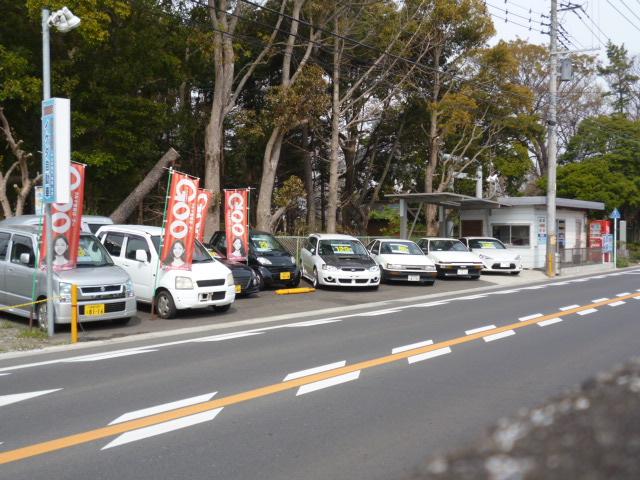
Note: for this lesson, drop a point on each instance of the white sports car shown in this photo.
(494, 255)
(402, 260)
(451, 257)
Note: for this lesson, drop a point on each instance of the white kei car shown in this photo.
(402, 260)
(451, 257)
(338, 260)
(495, 256)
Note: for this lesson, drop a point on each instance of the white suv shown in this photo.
(135, 248)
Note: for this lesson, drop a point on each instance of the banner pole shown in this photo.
(248, 221)
(164, 218)
(34, 280)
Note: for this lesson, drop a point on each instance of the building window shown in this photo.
(514, 235)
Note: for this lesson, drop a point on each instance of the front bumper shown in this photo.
(341, 278)
(463, 270)
(204, 297)
(279, 275)
(114, 309)
(409, 276)
(497, 266)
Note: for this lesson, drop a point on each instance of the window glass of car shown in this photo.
(375, 247)
(341, 248)
(4, 244)
(91, 253)
(310, 244)
(265, 244)
(200, 254)
(446, 246)
(486, 244)
(135, 243)
(220, 243)
(20, 245)
(113, 243)
(400, 248)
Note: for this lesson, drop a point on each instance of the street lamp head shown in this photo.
(63, 20)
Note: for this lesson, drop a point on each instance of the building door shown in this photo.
(471, 228)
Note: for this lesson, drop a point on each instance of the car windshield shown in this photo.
(264, 245)
(447, 246)
(200, 254)
(342, 248)
(486, 244)
(400, 248)
(91, 253)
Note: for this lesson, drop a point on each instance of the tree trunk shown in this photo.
(332, 204)
(268, 180)
(434, 146)
(308, 180)
(134, 199)
(213, 159)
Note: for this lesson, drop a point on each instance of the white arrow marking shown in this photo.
(411, 347)
(551, 321)
(18, 397)
(497, 336)
(161, 428)
(425, 356)
(329, 382)
(311, 371)
(479, 329)
(106, 356)
(165, 407)
(530, 317)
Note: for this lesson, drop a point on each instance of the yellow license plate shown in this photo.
(238, 288)
(285, 275)
(93, 310)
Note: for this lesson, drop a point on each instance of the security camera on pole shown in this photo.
(56, 143)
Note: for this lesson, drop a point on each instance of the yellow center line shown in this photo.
(111, 430)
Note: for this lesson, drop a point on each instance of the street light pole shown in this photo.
(552, 143)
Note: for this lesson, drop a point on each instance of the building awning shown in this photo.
(449, 200)
(560, 202)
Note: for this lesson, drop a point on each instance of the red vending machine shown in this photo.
(600, 231)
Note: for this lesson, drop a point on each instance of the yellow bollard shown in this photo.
(74, 313)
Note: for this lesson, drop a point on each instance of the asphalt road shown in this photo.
(379, 398)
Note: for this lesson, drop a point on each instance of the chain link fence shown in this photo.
(294, 244)
(574, 257)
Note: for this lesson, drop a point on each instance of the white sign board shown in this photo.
(56, 150)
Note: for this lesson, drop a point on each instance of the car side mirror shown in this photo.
(312, 251)
(25, 258)
(141, 256)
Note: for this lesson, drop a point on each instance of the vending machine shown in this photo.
(601, 237)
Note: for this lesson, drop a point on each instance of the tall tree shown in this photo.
(619, 75)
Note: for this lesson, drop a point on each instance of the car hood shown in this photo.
(465, 257)
(199, 271)
(278, 260)
(400, 259)
(360, 261)
(93, 275)
(502, 255)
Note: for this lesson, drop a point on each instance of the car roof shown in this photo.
(439, 238)
(333, 236)
(480, 238)
(392, 240)
(141, 229)
(29, 229)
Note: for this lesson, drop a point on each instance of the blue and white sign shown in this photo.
(615, 215)
(56, 150)
(607, 243)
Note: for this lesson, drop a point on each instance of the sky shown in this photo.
(600, 22)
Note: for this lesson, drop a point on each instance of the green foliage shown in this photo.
(291, 191)
(620, 77)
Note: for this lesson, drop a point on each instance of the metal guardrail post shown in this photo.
(74, 313)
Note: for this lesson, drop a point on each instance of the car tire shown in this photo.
(315, 282)
(294, 284)
(121, 321)
(222, 308)
(260, 280)
(165, 306)
(428, 283)
(41, 316)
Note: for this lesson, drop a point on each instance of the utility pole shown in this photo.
(552, 142)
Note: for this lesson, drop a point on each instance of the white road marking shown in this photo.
(19, 397)
(4, 374)
(429, 304)
(473, 297)
(551, 321)
(598, 300)
(329, 382)
(615, 304)
(581, 280)
(638, 290)
(165, 407)
(227, 336)
(479, 329)
(311, 371)
(504, 292)
(377, 313)
(161, 428)
(568, 307)
(587, 312)
(427, 355)
(560, 283)
(497, 336)
(107, 356)
(411, 347)
(537, 287)
(624, 294)
(530, 317)
(311, 323)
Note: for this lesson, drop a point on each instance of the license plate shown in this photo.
(505, 265)
(94, 310)
(414, 278)
(285, 275)
(238, 289)
(463, 271)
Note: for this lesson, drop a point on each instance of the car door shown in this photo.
(141, 272)
(306, 254)
(5, 237)
(113, 242)
(374, 251)
(20, 275)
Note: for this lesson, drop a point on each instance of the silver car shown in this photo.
(105, 291)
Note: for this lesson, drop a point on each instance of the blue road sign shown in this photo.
(615, 215)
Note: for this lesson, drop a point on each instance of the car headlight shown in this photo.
(64, 292)
(184, 283)
(375, 268)
(128, 288)
(518, 257)
(293, 259)
(430, 268)
(329, 268)
(230, 280)
(394, 266)
(263, 261)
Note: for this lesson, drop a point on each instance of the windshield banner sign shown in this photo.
(180, 227)
(236, 215)
(66, 223)
(203, 202)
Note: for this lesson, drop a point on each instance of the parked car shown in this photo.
(105, 291)
(339, 260)
(273, 264)
(495, 256)
(90, 223)
(244, 277)
(402, 260)
(136, 249)
(451, 257)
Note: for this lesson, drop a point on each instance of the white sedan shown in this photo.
(451, 257)
(402, 260)
(495, 256)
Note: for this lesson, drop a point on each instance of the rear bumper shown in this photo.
(114, 309)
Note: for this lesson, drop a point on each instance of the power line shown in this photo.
(623, 15)
(632, 12)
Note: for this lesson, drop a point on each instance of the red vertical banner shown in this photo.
(236, 214)
(180, 231)
(66, 224)
(203, 202)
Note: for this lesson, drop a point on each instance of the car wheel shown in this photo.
(41, 316)
(165, 306)
(222, 308)
(315, 282)
(121, 321)
(428, 283)
(260, 280)
(295, 283)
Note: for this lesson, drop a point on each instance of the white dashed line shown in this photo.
(568, 307)
(429, 304)
(227, 336)
(530, 317)
(311, 371)
(161, 428)
(537, 287)
(311, 323)
(587, 312)
(165, 407)
(615, 304)
(581, 280)
(4, 374)
(472, 297)
(19, 397)
(624, 294)
(425, 356)
(505, 292)
(551, 321)
(598, 300)
(411, 347)
(479, 329)
(329, 382)
(107, 356)
(377, 313)
(497, 336)
(560, 283)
